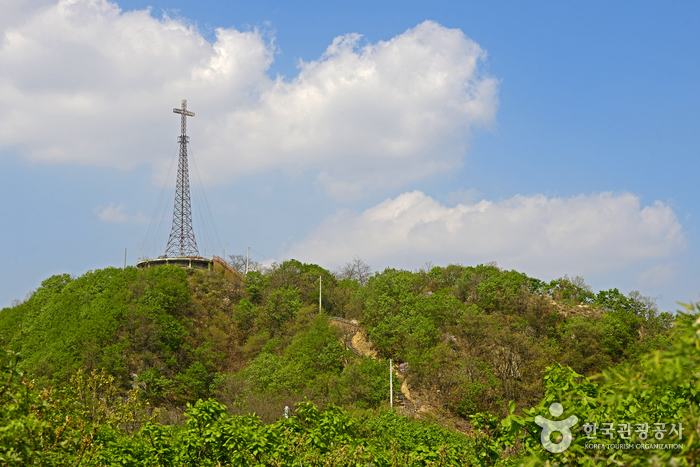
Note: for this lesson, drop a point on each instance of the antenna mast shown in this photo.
(181, 241)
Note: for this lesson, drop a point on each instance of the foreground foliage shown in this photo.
(88, 426)
(663, 388)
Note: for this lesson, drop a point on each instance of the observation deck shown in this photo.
(184, 261)
(215, 263)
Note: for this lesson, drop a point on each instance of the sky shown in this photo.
(554, 138)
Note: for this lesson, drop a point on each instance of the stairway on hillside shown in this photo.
(355, 341)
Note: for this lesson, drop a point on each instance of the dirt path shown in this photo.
(356, 340)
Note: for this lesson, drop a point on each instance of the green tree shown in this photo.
(282, 306)
(364, 382)
(319, 350)
(256, 284)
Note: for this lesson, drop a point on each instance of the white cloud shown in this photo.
(81, 81)
(380, 115)
(118, 214)
(536, 234)
(12, 12)
(463, 196)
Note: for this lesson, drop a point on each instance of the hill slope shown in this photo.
(464, 339)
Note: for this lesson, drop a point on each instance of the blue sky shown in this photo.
(554, 138)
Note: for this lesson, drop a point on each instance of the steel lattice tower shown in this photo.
(181, 241)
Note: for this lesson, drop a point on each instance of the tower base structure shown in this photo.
(215, 263)
(182, 261)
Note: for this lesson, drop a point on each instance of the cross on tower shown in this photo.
(185, 113)
(181, 241)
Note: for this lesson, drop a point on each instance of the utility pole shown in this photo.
(124, 258)
(391, 385)
(247, 255)
(320, 282)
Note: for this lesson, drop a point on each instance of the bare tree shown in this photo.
(579, 282)
(238, 263)
(31, 293)
(651, 309)
(426, 268)
(356, 269)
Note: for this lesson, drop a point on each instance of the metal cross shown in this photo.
(185, 113)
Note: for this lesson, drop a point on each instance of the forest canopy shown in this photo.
(196, 358)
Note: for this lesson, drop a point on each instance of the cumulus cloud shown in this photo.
(118, 214)
(536, 234)
(380, 115)
(82, 81)
(18, 10)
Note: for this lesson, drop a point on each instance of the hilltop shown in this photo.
(463, 339)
